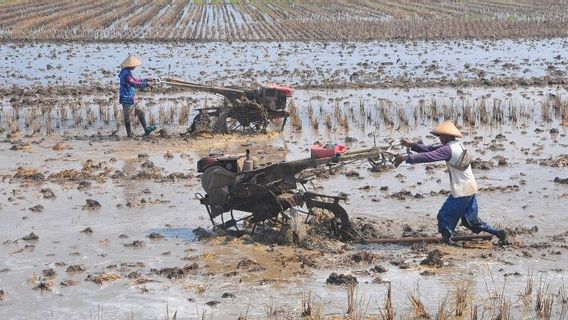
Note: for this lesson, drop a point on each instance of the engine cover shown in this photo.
(233, 163)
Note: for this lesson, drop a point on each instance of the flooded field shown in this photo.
(100, 226)
(322, 64)
(101, 261)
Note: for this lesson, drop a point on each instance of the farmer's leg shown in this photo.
(448, 217)
(472, 221)
(141, 117)
(126, 116)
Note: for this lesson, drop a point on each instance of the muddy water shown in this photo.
(289, 62)
(136, 208)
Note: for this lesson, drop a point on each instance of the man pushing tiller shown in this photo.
(128, 85)
(462, 202)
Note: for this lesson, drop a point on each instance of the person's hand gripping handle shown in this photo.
(402, 157)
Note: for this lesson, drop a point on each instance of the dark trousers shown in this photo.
(126, 110)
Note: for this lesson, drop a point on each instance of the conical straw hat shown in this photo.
(447, 128)
(131, 62)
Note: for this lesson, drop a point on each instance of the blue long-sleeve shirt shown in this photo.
(128, 85)
(429, 153)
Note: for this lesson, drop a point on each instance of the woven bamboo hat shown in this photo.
(131, 62)
(447, 128)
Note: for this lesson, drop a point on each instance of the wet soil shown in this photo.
(119, 222)
(104, 247)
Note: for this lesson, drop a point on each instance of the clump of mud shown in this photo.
(37, 208)
(408, 231)
(369, 228)
(60, 146)
(68, 283)
(91, 166)
(352, 173)
(31, 237)
(155, 236)
(364, 256)
(26, 173)
(306, 261)
(202, 233)
(177, 272)
(402, 195)
(523, 230)
(341, 279)
(379, 269)
(102, 278)
(42, 283)
(47, 193)
(479, 164)
(87, 230)
(92, 205)
(321, 231)
(502, 189)
(75, 268)
(434, 259)
(560, 180)
(70, 175)
(249, 265)
(83, 185)
(21, 146)
(50, 273)
(135, 244)
(213, 303)
(400, 262)
(561, 161)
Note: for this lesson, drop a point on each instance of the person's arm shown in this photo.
(440, 153)
(141, 84)
(419, 147)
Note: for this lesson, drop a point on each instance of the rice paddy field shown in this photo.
(278, 20)
(96, 225)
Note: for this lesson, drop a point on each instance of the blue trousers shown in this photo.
(464, 208)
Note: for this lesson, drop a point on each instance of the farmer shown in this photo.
(128, 85)
(462, 203)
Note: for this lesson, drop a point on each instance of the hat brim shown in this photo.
(131, 62)
(437, 134)
(130, 65)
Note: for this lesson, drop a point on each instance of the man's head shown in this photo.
(444, 138)
(447, 132)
